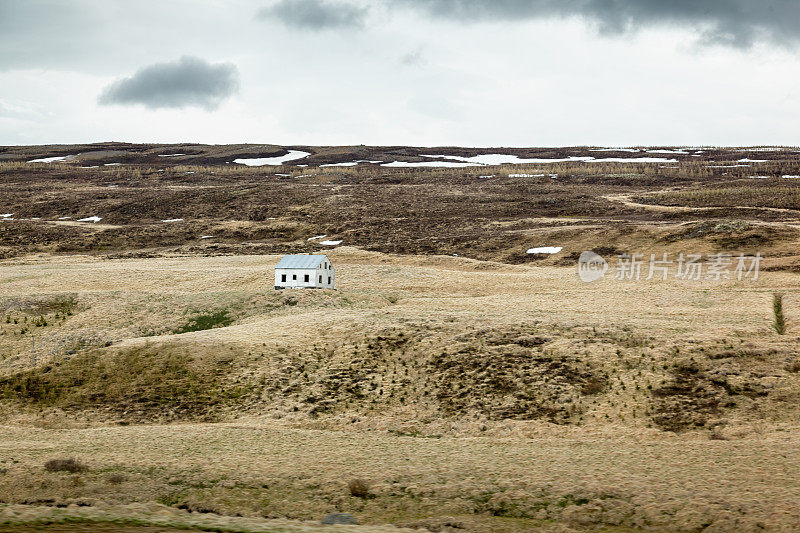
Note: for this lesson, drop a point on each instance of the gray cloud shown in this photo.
(413, 59)
(738, 23)
(190, 81)
(315, 15)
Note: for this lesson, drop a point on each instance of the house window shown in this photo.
(329, 280)
(294, 277)
(320, 279)
(283, 278)
(305, 278)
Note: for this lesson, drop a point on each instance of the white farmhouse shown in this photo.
(304, 271)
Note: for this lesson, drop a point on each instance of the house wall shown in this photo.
(314, 275)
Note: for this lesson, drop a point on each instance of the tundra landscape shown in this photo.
(462, 376)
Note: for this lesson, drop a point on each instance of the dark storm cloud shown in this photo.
(737, 23)
(315, 14)
(190, 81)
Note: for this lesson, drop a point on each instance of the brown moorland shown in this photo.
(451, 381)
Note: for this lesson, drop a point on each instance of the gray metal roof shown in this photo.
(301, 261)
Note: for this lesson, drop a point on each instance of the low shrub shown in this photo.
(70, 464)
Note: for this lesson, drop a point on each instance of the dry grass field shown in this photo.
(451, 382)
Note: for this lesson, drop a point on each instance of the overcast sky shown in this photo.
(411, 72)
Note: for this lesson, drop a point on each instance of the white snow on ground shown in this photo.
(759, 177)
(486, 177)
(667, 152)
(169, 155)
(317, 237)
(93, 166)
(64, 218)
(505, 159)
(727, 166)
(330, 243)
(762, 149)
(51, 159)
(633, 150)
(634, 160)
(791, 177)
(545, 250)
(111, 164)
(261, 161)
(746, 160)
(350, 163)
(7, 215)
(206, 236)
(445, 164)
(90, 219)
(173, 220)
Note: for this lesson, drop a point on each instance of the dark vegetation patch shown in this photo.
(203, 321)
(726, 234)
(504, 376)
(688, 401)
(782, 194)
(140, 383)
(607, 252)
(62, 304)
(70, 464)
(395, 210)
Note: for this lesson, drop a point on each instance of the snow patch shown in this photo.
(506, 159)
(52, 159)
(90, 219)
(444, 164)
(350, 163)
(261, 161)
(545, 250)
(173, 220)
(330, 243)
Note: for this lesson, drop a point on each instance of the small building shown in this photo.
(304, 272)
